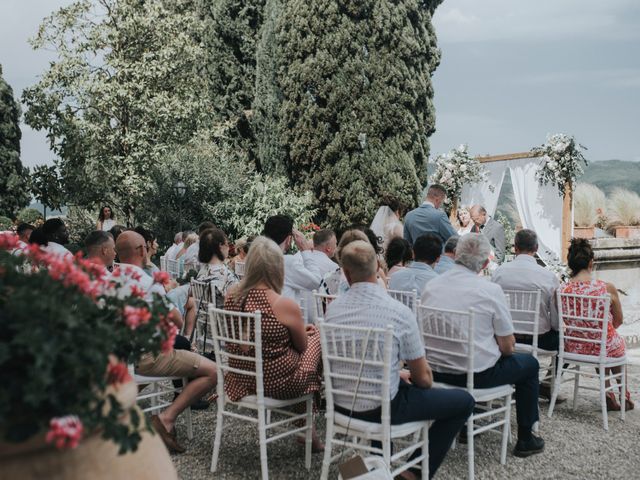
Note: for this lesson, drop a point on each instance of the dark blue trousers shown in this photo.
(518, 369)
(450, 408)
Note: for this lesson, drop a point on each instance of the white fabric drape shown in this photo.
(479, 193)
(539, 207)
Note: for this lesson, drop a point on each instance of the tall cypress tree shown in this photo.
(13, 176)
(356, 100)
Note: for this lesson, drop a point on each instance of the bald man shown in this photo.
(201, 371)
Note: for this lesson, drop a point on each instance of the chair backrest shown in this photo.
(320, 303)
(524, 306)
(239, 269)
(447, 336)
(173, 268)
(163, 263)
(237, 343)
(584, 321)
(409, 298)
(203, 293)
(343, 348)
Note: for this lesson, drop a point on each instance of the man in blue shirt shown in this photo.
(448, 258)
(426, 252)
(428, 218)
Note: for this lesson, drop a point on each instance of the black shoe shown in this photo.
(462, 436)
(529, 447)
(200, 405)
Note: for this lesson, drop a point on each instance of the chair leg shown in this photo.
(576, 386)
(505, 431)
(309, 431)
(556, 389)
(623, 392)
(603, 401)
(262, 435)
(188, 416)
(218, 436)
(470, 452)
(326, 461)
(425, 452)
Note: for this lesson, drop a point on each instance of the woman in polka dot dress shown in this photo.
(292, 361)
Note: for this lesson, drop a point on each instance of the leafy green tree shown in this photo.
(13, 185)
(356, 105)
(46, 187)
(123, 92)
(30, 215)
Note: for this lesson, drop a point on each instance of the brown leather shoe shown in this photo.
(169, 440)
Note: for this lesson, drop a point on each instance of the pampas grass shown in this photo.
(623, 208)
(589, 203)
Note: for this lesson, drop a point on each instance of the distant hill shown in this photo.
(611, 174)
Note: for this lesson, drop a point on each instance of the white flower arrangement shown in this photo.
(455, 169)
(562, 161)
(561, 270)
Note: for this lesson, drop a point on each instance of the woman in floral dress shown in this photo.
(580, 260)
(292, 361)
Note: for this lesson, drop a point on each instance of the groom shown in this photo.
(428, 218)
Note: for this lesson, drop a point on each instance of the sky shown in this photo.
(511, 73)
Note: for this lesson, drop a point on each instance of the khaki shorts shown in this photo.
(177, 363)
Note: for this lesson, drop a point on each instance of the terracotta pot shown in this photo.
(627, 231)
(94, 458)
(584, 232)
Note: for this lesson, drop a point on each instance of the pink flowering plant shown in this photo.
(67, 334)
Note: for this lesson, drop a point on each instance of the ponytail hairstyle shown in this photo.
(579, 256)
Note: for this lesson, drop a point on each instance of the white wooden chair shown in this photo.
(357, 363)
(408, 298)
(163, 263)
(233, 329)
(584, 321)
(448, 334)
(319, 307)
(173, 268)
(203, 294)
(161, 389)
(239, 269)
(525, 312)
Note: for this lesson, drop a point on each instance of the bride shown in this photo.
(386, 224)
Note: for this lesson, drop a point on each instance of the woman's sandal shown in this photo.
(612, 403)
(629, 405)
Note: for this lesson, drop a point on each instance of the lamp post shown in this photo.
(180, 188)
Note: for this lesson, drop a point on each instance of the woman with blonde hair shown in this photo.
(464, 221)
(291, 352)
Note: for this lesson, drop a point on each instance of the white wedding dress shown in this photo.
(386, 225)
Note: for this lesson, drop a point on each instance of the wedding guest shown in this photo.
(495, 360)
(23, 232)
(291, 352)
(464, 221)
(131, 248)
(428, 218)
(191, 253)
(397, 255)
(106, 219)
(172, 251)
(426, 252)
(100, 248)
(116, 230)
(368, 305)
(324, 249)
(524, 273)
(376, 243)
(490, 228)
(213, 251)
(582, 282)
(386, 224)
(191, 239)
(301, 271)
(52, 235)
(447, 259)
(152, 249)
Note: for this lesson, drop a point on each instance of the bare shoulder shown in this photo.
(611, 289)
(284, 307)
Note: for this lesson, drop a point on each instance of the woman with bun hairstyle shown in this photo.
(582, 282)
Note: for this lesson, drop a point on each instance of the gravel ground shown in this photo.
(577, 447)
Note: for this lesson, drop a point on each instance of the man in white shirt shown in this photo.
(23, 232)
(367, 304)
(100, 248)
(448, 258)
(426, 252)
(132, 249)
(301, 272)
(173, 250)
(324, 248)
(57, 235)
(496, 362)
